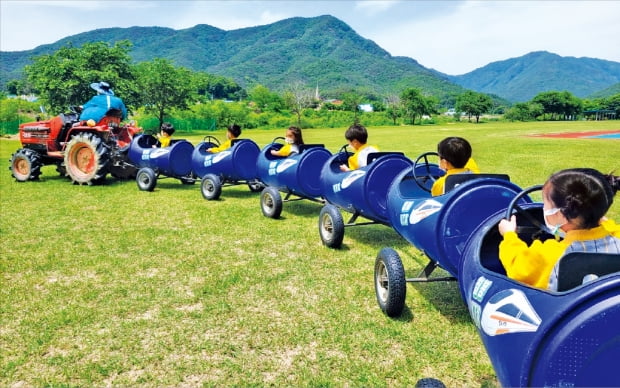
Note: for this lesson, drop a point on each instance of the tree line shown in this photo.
(161, 90)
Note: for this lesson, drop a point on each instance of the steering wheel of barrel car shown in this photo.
(212, 140)
(343, 155)
(422, 177)
(514, 208)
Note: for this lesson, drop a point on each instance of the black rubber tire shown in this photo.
(429, 382)
(271, 202)
(146, 179)
(87, 159)
(25, 165)
(256, 185)
(61, 169)
(331, 226)
(211, 187)
(188, 181)
(390, 282)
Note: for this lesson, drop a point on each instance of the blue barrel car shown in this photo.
(362, 192)
(533, 337)
(233, 166)
(152, 161)
(297, 175)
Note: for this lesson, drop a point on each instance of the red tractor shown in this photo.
(84, 151)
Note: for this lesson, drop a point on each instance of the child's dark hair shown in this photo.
(234, 129)
(455, 150)
(168, 128)
(299, 140)
(357, 132)
(582, 194)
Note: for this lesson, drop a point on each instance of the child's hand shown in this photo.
(508, 226)
(344, 168)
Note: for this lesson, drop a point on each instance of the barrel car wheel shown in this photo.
(331, 226)
(146, 179)
(390, 282)
(271, 202)
(211, 187)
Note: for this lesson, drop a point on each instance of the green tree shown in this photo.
(562, 105)
(473, 104)
(351, 102)
(164, 87)
(613, 103)
(265, 100)
(524, 111)
(415, 104)
(63, 78)
(210, 86)
(393, 108)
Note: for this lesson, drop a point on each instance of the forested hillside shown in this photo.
(321, 51)
(520, 79)
(325, 52)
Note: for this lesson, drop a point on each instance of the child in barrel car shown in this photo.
(575, 202)
(293, 140)
(357, 136)
(233, 132)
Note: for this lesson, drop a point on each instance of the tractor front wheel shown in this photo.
(26, 165)
(87, 159)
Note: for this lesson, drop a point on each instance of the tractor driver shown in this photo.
(97, 107)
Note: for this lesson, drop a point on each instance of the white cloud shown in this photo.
(483, 32)
(373, 7)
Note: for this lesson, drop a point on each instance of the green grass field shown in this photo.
(111, 286)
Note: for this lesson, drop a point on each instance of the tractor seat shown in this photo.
(454, 180)
(576, 266)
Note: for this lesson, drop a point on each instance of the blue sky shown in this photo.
(454, 37)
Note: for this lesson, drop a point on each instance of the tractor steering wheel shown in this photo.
(514, 208)
(421, 179)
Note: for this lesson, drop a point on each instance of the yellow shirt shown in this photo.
(438, 186)
(287, 150)
(358, 159)
(222, 147)
(533, 265)
(164, 141)
(472, 166)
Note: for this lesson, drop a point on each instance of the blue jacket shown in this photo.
(99, 105)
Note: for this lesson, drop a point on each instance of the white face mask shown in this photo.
(289, 140)
(553, 229)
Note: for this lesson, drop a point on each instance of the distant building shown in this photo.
(365, 107)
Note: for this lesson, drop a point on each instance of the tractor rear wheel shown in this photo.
(87, 159)
(26, 165)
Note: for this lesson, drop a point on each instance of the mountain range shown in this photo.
(325, 52)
